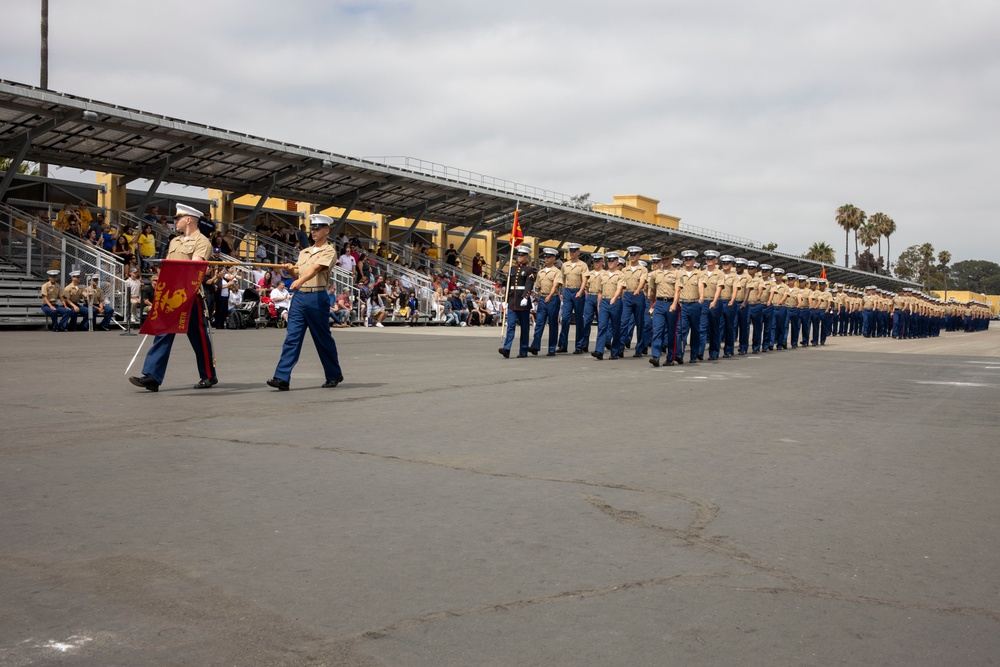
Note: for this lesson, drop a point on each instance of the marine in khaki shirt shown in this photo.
(549, 279)
(612, 284)
(574, 271)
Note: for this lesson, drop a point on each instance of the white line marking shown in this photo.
(955, 384)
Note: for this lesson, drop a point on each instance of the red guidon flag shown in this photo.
(822, 274)
(516, 235)
(176, 286)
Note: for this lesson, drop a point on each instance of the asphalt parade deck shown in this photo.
(444, 506)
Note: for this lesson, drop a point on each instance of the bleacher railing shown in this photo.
(408, 255)
(37, 246)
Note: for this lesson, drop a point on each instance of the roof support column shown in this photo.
(343, 217)
(472, 232)
(153, 187)
(416, 221)
(260, 204)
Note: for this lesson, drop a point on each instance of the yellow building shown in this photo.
(962, 297)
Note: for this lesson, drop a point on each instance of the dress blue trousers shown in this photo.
(309, 310)
(517, 318)
(572, 315)
(690, 320)
(589, 313)
(609, 327)
(664, 330)
(547, 313)
(155, 365)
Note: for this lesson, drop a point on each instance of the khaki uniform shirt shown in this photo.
(547, 277)
(52, 292)
(594, 281)
(779, 292)
(688, 283)
(610, 283)
(324, 256)
(806, 297)
(195, 246)
(94, 294)
(661, 284)
(710, 281)
(765, 293)
(794, 297)
(728, 281)
(753, 284)
(573, 273)
(73, 293)
(868, 303)
(823, 300)
(634, 276)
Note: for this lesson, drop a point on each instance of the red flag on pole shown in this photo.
(176, 286)
(516, 235)
(822, 274)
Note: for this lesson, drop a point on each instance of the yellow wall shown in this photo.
(963, 296)
(640, 208)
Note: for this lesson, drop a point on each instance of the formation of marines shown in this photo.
(731, 306)
(74, 306)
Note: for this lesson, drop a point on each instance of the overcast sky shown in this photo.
(752, 118)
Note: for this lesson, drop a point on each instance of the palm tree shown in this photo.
(877, 221)
(888, 229)
(869, 234)
(848, 219)
(821, 252)
(944, 259)
(926, 254)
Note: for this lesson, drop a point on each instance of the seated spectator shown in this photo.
(107, 238)
(413, 306)
(265, 281)
(123, 250)
(436, 299)
(341, 310)
(282, 300)
(133, 288)
(494, 309)
(458, 306)
(94, 238)
(376, 311)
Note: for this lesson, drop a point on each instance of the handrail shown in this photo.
(483, 285)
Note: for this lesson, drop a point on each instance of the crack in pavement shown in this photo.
(796, 585)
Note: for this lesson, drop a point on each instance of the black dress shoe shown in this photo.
(280, 385)
(146, 382)
(578, 351)
(668, 363)
(654, 362)
(550, 354)
(637, 355)
(680, 360)
(701, 357)
(504, 353)
(597, 355)
(330, 384)
(616, 356)
(533, 350)
(561, 350)
(628, 345)
(207, 383)
(521, 356)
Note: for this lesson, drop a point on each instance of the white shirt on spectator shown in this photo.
(235, 299)
(258, 275)
(280, 296)
(346, 262)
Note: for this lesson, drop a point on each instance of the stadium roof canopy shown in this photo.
(59, 129)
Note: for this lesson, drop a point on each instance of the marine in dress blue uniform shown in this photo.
(549, 281)
(592, 288)
(574, 299)
(310, 309)
(522, 283)
(189, 244)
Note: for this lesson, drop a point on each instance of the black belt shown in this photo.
(663, 298)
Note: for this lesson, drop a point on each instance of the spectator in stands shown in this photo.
(413, 306)
(449, 316)
(219, 242)
(436, 297)
(107, 238)
(152, 214)
(227, 285)
(228, 241)
(98, 222)
(93, 237)
(133, 287)
(235, 297)
(210, 288)
(84, 215)
(146, 244)
(346, 260)
(257, 274)
(477, 264)
(383, 250)
(282, 300)
(340, 308)
(74, 228)
(63, 217)
(303, 237)
(123, 250)
(451, 255)
(458, 307)
(148, 294)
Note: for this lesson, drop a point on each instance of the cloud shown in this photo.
(756, 119)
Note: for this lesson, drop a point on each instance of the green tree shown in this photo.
(908, 264)
(869, 234)
(769, 247)
(878, 222)
(926, 253)
(29, 168)
(888, 229)
(850, 218)
(975, 275)
(821, 252)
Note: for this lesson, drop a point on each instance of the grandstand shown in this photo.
(59, 129)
